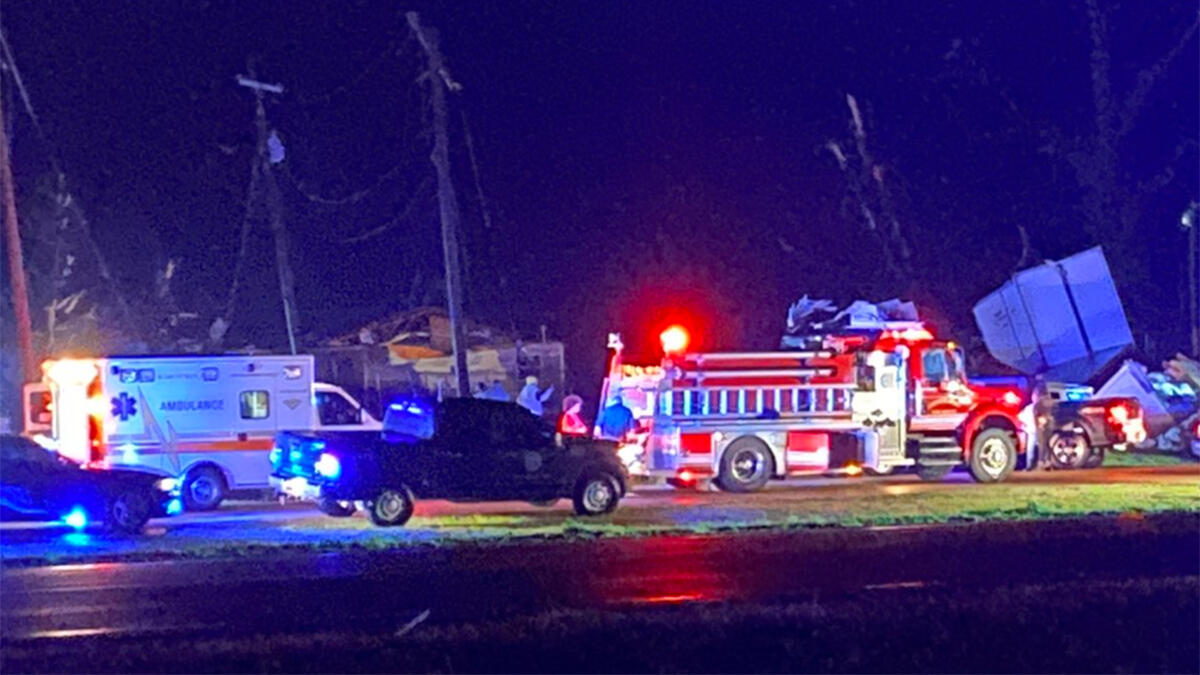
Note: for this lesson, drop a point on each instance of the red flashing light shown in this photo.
(909, 335)
(686, 476)
(1011, 398)
(674, 340)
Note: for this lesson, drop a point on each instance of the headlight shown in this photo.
(167, 484)
(328, 466)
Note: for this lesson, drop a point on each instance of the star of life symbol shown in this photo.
(124, 406)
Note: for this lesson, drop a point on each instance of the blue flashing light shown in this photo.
(175, 507)
(276, 453)
(1078, 394)
(76, 518)
(408, 407)
(328, 466)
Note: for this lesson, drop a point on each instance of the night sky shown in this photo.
(643, 162)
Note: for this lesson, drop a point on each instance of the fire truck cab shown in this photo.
(874, 399)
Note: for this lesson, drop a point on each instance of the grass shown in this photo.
(1147, 459)
(1147, 626)
(865, 505)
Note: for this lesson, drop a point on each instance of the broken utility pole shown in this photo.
(439, 82)
(16, 263)
(274, 200)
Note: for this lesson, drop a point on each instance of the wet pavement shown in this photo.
(300, 592)
(247, 525)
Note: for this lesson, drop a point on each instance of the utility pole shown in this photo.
(1191, 222)
(439, 82)
(16, 261)
(287, 281)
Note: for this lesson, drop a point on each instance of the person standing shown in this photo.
(530, 399)
(616, 420)
(571, 423)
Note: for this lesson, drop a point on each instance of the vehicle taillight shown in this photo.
(1127, 419)
(95, 422)
(1119, 413)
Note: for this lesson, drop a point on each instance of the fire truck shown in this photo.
(872, 398)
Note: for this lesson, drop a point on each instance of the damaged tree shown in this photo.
(870, 195)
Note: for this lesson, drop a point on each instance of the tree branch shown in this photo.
(1150, 77)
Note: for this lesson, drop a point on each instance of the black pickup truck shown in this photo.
(459, 449)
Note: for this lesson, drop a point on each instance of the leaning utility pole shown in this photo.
(439, 82)
(16, 262)
(287, 281)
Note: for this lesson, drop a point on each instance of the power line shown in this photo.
(352, 198)
(403, 217)
(393, 48)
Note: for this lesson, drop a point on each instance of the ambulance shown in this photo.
(208, 421)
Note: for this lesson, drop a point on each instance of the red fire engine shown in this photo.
(872, 398)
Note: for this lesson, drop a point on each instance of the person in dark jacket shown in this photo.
(616, 420)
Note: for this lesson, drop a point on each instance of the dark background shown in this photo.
(643, 162)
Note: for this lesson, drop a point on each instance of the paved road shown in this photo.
(268, 523)
(382, 590)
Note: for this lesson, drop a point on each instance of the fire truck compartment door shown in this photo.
(882, 408)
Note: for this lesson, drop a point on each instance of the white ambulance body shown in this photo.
(208, 420)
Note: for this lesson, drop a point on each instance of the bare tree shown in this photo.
(870, 195)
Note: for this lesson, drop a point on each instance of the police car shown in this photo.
(41, 482)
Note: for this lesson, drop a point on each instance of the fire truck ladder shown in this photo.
(721, 399)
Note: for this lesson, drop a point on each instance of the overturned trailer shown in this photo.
(1062, 324)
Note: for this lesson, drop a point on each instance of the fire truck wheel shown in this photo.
(391, 508)
(203, 489)
(128, 512)
(746, 466)
(335, 508)
(993, 455)
(1069, 449)
(596, 494)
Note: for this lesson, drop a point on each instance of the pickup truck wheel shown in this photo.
(335, 508)
(1068, 449)
(746, 466)
(203, 489)
(993, 455)
(1095, 459)
(391, 507)
(596, 494)
(128, 511)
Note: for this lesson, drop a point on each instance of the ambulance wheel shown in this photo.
(335, 508)
(391, 507)
(127, 512)
(746, 466)
(204, 489)
(993, 455)
(1069, 450)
